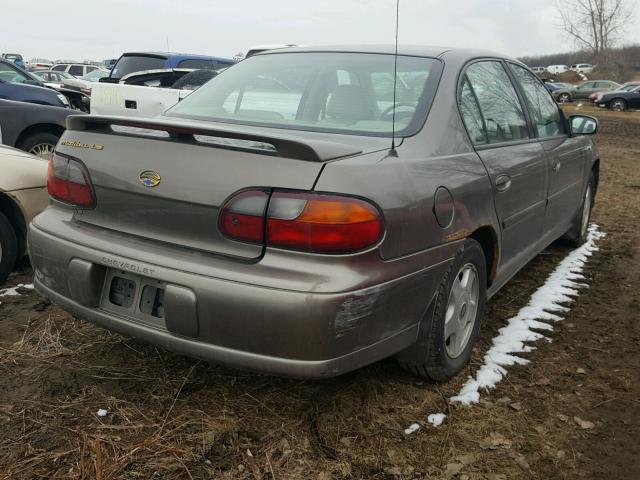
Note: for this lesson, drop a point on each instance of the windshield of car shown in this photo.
(318, 91)
(95, 75)
(10, 74)
(628, 88)
(136, 63)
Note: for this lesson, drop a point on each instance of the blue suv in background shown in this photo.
(21, 86)
(132, 62)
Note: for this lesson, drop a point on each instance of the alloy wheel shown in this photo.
(42, 150)
(462, 308)
(618, 106)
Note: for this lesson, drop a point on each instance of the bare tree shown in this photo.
(595, 25)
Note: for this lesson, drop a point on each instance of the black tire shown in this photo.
(618, 105)
(8, 248)
(579, 230)
(39, 138)
(428, 357)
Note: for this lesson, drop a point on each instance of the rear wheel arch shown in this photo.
(12, 211)
(51, 128)
(488, 240)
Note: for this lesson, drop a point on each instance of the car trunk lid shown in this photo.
(199, 166)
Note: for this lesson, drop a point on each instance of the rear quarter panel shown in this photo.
(404, 186)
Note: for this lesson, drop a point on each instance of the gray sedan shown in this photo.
(583, 90)
(310, 211)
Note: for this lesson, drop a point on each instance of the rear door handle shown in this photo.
(556, 165)
(503, 183)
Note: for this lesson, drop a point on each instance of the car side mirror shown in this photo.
(583, 125)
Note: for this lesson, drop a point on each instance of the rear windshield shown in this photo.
(334, 92)
(136, 63)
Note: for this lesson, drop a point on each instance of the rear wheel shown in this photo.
(8, 248)
(618, 105)
(579, 230)
(447, 338)
(40, 144)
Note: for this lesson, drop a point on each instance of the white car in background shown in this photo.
(557, 69)
(85, 82)
(582, 68)
(75, 69)
(41, 63)
(52, 79)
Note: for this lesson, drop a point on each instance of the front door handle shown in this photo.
(556, 165)
(503, 183)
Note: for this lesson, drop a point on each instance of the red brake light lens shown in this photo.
(68, 181)
(303, 221)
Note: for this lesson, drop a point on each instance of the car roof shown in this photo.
(389, 49)
(174, 56)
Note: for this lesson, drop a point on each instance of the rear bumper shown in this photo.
(275, 330)
(237, 358)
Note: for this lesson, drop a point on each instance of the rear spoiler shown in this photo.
(285, 146)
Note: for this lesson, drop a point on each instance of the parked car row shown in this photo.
(310, 211)
(585, 68)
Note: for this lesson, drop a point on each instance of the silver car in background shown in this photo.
(310, 211)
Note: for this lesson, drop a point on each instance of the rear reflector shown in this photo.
(242, 217)
(68, 181)
(303, 221)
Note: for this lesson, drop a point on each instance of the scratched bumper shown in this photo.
(284, 331)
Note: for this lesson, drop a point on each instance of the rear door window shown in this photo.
(76, 70)
(499, 103)
(136, 63)
(196, 63)
(543, 109)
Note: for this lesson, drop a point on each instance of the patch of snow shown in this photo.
(414, 427)
(547, 304)
(436, 419)
(13, 291)
(102, 412)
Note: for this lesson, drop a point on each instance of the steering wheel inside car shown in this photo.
(388, 112)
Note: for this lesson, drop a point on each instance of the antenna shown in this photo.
(395, 81)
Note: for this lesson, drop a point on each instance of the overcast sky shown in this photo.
(102, 29)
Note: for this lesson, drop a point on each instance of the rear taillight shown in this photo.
(68, 181)
(303, 221)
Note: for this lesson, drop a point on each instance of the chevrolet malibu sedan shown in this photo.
(310, 211)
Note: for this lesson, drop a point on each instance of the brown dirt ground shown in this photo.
(173, 417)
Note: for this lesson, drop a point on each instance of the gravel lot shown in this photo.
(573, 413)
